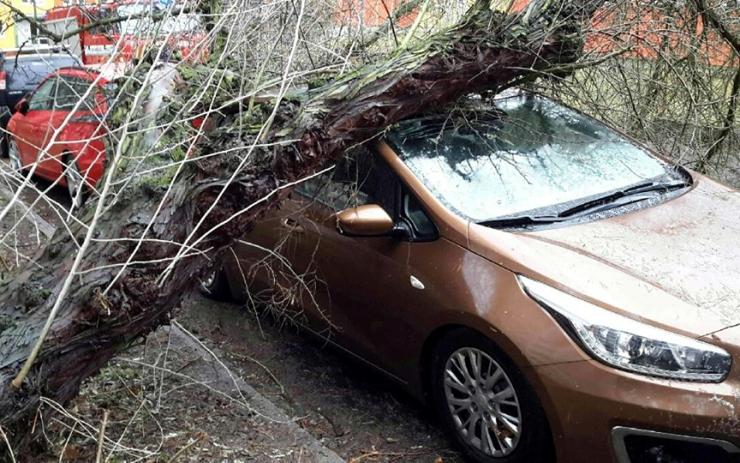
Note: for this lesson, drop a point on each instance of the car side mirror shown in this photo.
(22, 106)
(367, 220)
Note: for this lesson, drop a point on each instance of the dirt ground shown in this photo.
(169, 402)
(352, 409)
(30, 222)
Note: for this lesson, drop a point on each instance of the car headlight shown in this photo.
(628, 344)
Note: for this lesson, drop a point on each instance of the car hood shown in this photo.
(676, 264)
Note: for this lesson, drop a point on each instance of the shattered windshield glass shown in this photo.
(524, 153)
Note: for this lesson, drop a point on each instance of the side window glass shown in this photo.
(43, 97)
(362, 177)
(379, 184)
(420, 222)
(341, 190)
(70, 91)
(334, 189)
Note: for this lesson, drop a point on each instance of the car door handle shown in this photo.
(293, 225)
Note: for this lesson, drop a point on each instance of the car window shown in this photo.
(70, 91)
(360, 178)
(43, 98)
(413, 212)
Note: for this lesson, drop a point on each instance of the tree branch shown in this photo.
(711, 18)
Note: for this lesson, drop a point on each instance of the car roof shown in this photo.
(40, 56)
(81, 73)
(51, 58)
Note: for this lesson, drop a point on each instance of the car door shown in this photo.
(262, 269)
(357, 278)
(31, 128)
(292, 256)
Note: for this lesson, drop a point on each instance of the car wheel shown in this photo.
(215, 284)
(14, 155)
(74, 179)
(4, 146)
(485, 402)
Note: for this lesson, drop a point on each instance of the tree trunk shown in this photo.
(103, 312)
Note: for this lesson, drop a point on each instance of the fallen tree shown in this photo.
(117, 273)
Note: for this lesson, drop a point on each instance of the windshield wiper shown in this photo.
(612, 198)
(521, 220)
(657, 186)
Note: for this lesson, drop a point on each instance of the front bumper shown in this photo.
(586, 401)
(633, 445)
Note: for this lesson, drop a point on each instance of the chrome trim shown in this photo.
(620, 449)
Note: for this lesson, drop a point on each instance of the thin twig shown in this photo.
(200, 437)
(101, 437)
(7, 442)
(417, 21)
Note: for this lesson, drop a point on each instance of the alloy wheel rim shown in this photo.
(15, 160)
(482, 402)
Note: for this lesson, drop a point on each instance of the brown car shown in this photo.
(554, 290)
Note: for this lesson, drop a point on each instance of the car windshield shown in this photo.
(523, 153)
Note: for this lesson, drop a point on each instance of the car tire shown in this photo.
(215, 285)
(14, 155)
(5, 115)
(457, 400)
(74, 179)
(4, 146)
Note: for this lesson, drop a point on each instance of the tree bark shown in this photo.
(484, 52)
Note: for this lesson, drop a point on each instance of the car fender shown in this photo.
(463, 289)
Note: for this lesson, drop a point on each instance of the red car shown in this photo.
(78, 149)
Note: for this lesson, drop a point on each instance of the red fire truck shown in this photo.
(125, 40)
(94, 46)
(181, 32)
